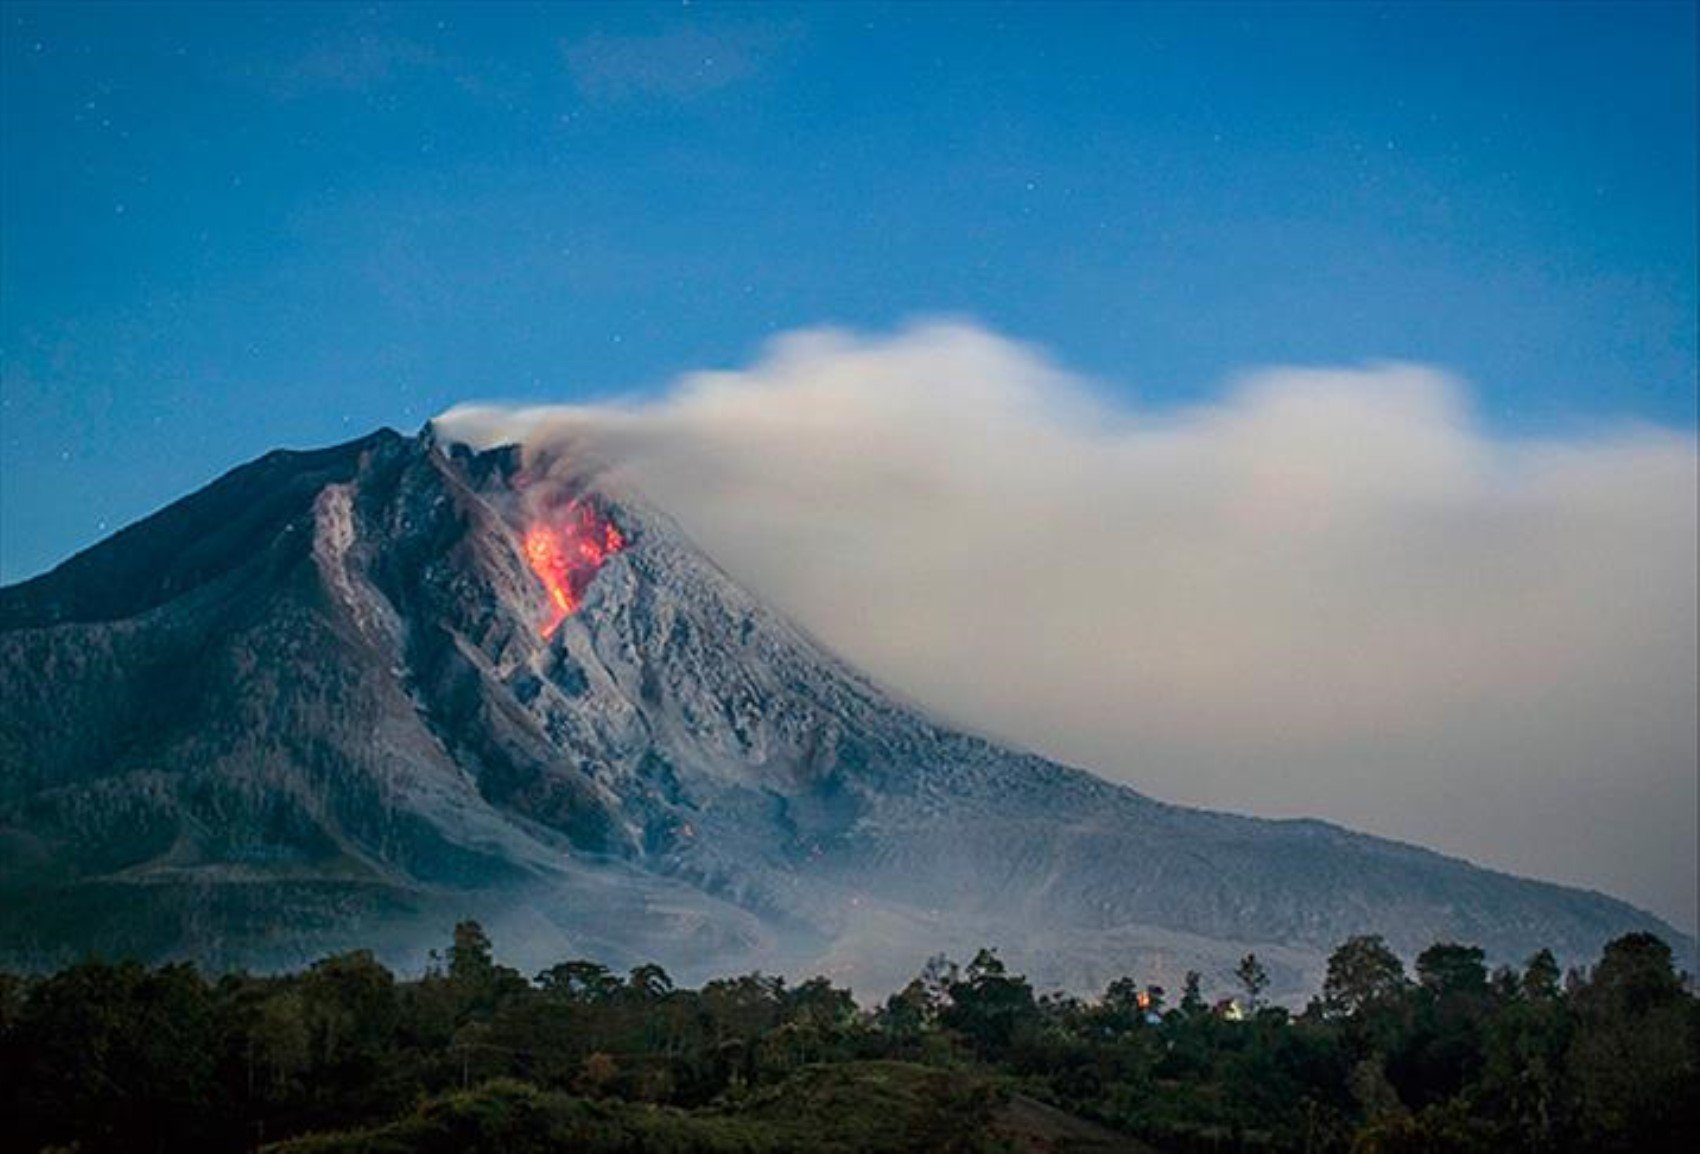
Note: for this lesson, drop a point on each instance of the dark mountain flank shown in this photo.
(346, 697)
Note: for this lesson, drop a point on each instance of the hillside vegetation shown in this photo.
(473, 1056)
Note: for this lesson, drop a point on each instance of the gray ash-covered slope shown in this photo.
(312, 707)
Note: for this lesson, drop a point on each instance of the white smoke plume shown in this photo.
(1328, 592)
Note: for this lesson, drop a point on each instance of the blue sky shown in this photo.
(224, 229)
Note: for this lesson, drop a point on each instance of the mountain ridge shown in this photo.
(311, 702)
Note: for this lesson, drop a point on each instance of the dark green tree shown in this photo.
(1363, 975)
(471, 959)
(1441, 1048)
(119, 1057)
(649, 983)
(1447, 969)
(1254, 979)
(478, 983)
(1541, 977)
(581, 981)
(1635, 1057)
(989, 1005)
(1192, 995)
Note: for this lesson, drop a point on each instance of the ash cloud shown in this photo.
(1329, 592)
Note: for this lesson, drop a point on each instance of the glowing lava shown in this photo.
(565, 553)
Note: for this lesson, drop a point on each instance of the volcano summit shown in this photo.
(346, 697)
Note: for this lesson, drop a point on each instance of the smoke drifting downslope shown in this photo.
(1329, 592)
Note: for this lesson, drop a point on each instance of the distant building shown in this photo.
(1228, 1010)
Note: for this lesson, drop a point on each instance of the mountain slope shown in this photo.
(323, 702)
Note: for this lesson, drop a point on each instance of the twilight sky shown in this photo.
(1458, 240)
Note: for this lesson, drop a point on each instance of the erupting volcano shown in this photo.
(565, 551)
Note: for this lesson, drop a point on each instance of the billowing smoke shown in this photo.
(1329, 592)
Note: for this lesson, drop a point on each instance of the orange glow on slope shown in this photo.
(566, 552)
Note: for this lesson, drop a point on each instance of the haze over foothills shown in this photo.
(1285, 409)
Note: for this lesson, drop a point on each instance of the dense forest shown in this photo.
(473, 1056)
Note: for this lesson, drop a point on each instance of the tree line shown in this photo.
(473, 1055)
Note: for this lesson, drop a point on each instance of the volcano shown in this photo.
(344, 698)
